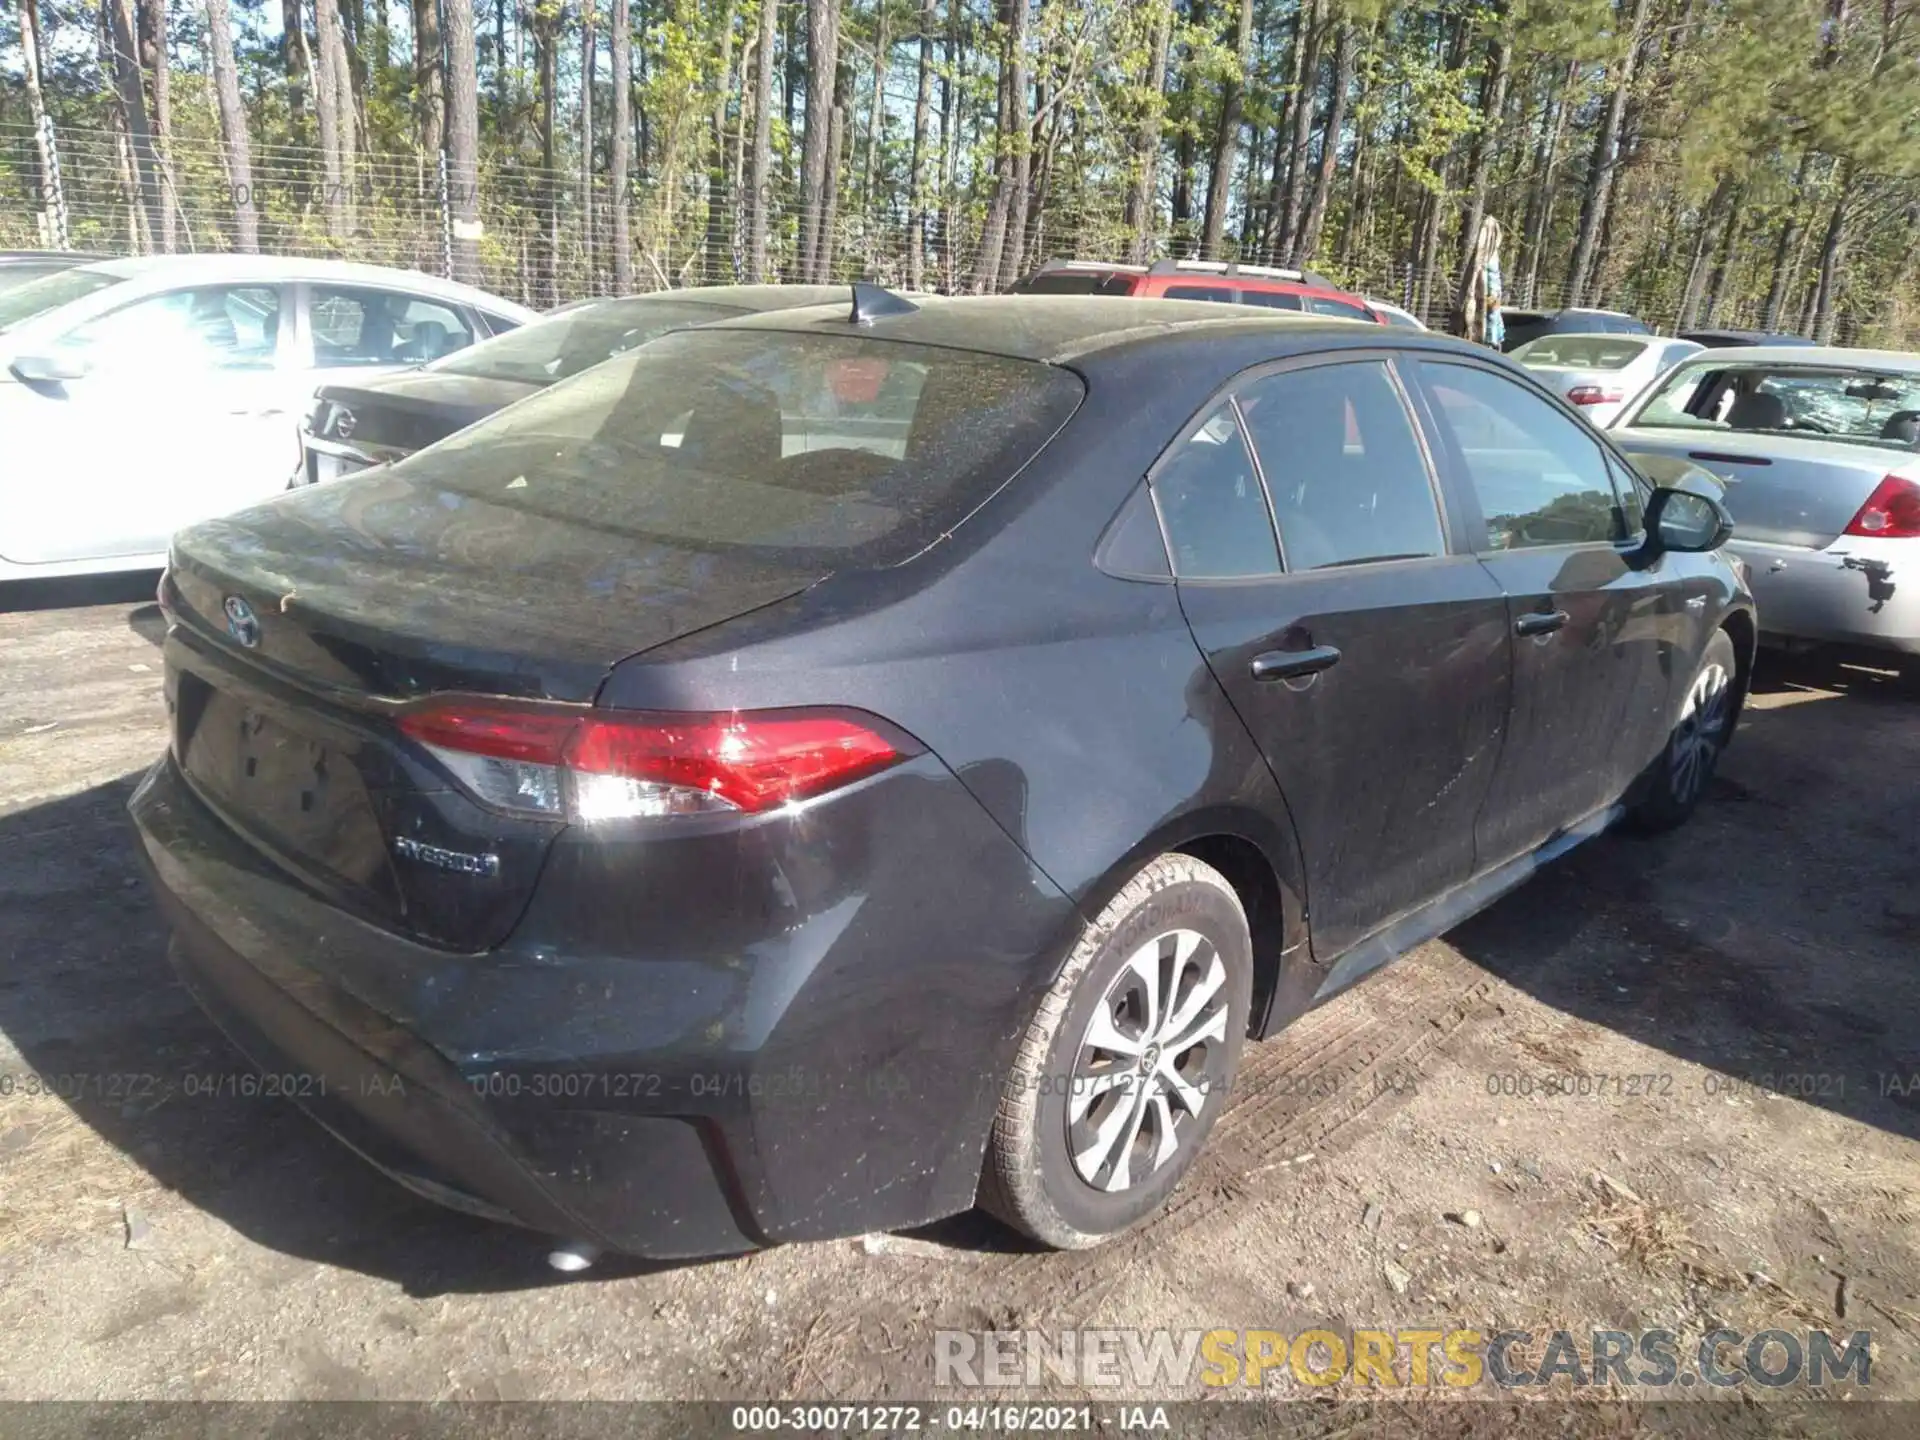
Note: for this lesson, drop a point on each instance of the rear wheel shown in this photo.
(1127, 1064)
(1680, 776)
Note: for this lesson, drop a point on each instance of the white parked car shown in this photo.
(1391, 314)
(139, 396)
(1820, 452)
(1601, 373)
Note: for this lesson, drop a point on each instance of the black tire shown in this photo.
(1673, 785)
(1034, 1178)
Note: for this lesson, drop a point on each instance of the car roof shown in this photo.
(188, 269)
(1058, 328)
(753, 297)
(1902, 361)
(1600, 335)
(71, 257)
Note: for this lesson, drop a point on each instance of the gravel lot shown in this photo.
(159, 1244)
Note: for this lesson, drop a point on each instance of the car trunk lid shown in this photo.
(1781, 489)
(398, 414)
(304, 627)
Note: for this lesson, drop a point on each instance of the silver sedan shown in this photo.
(1820, 452)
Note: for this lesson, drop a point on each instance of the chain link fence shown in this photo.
(546, 235)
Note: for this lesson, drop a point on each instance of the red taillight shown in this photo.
(538, 737)
(1594, 395)
(600, 765)
(1892, 512)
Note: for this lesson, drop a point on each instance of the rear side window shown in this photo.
(1201, 292)
(1272, 299)
(1540, 479)
(1327, 305)
(797, 447)
(1211, 504)
(1348, 477)
(1077, 282)
(352, 326)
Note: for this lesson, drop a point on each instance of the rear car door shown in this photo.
(1369, 660)
(172, 423)
(1596, 629)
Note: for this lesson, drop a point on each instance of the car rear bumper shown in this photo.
(1857, 591)
(525, 1088)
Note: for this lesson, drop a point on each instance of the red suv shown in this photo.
(1222, 280)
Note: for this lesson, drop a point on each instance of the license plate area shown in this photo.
(300, 793)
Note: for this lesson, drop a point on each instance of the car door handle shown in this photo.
(1540, 622)
(1291, 664)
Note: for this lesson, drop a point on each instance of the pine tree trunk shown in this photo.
(620, 143)
(1723, 262)
(950, 148)
(326, 108)
(829, 219)
(1540, 190)
(870, 166)
(1188, 101)
(1833, 249)
(293, 60)
(546, 70)
(152, 20)
(1493, 96)
(1786, 252)
(1142, 198)
(123, 50)
(823, 64)
(717, 265)
(429, 78)
(1345, 58)
(916, 165)
(1302, 108)
(1275, 207)
(37, 108)
(1226, 142)
(233, 127)
(589, 63)
(1020, 172)
(463, 138)
(1600, 169)
(761, 183)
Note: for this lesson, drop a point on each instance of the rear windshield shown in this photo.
(1581, 352)
(1077, 282)
(795, 447)
(49, 292)
(1858, 406)
(566, 344)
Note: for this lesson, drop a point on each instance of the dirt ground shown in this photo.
(1761, 969)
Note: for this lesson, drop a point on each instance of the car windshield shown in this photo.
(1857, 405)
(790, 446)
(566, 344)
(1581, 352)
(49, 292)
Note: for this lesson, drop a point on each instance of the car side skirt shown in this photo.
(1444, 911)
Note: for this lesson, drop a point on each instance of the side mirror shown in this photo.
(54, 368)
(1686, 522)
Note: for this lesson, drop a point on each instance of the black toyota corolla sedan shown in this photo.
(356, 425)
(818, 772)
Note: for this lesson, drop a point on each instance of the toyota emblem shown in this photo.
(242, 624)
